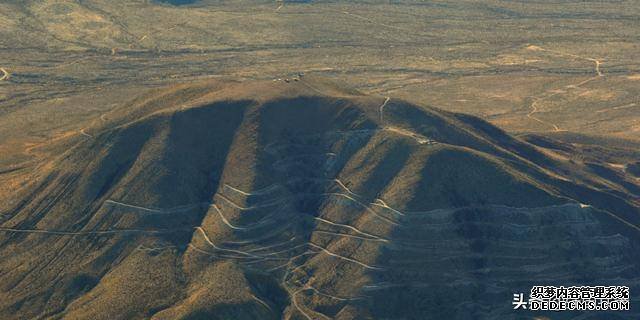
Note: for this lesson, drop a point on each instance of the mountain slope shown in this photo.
(303, 200)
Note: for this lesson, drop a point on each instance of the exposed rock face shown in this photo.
(302, 200)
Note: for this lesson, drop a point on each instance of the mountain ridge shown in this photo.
(301, 199)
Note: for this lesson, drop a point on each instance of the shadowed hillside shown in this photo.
(301, 199)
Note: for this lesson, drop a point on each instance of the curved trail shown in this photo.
(351, 196)
(273, 245)
(265, 190)
(261, 302)
(239, 207)
(534, 110)
(366, 207)
(343, 186)
(5, 74)
(344, 258)
(327, 194)
(597, 62)
(380, 203)
(157, 211)
(346, 235)
(249, 254)
(211, 254)
(419, 138)
(82, 132)
(290, 260)
(208, 240)
(381, 109)
(84, 233)
(225, 221)
(266, 256)
(276, 186)
(133, 206)
(368, 235)
(295, 303)
(533, 106)
(155, 249)
(625, 106)
(309, 287)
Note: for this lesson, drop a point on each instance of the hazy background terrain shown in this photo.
(523, 65)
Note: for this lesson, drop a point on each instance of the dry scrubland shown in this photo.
(525, 66)
(154, 162)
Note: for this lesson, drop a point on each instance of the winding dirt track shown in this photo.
(419, 138)
(295, 303)
(261, 254)
(5, 74)
(386, 100)
(534, 110)
(84, 233)
(262, 191)
(224, 220)
(344, 258)
(625, 106)
(597, 62)
(82, 132)
(366, 235)
(533, 106)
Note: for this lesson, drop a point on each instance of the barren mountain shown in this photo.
(301, 199)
